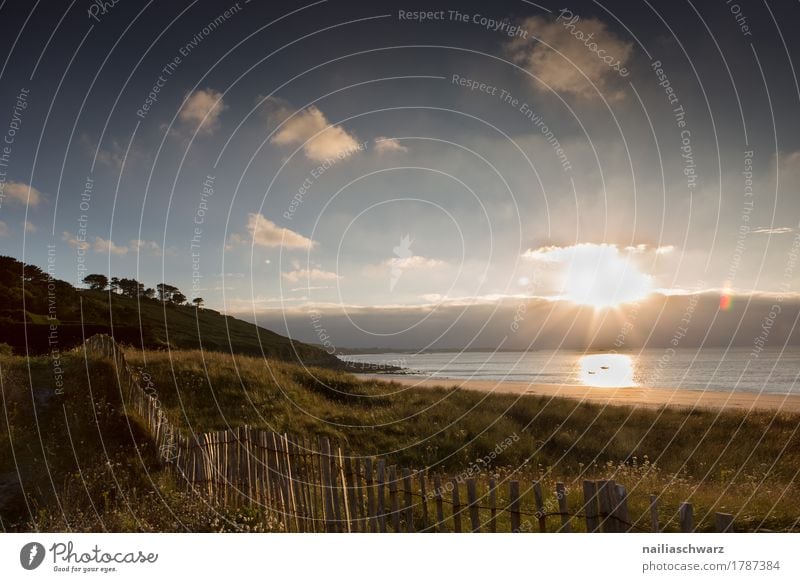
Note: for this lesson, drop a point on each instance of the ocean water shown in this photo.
(688, 369)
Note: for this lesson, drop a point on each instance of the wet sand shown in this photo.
(638, 397)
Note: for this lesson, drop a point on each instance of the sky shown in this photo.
(391, 174)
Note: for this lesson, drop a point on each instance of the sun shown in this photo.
(602, 277)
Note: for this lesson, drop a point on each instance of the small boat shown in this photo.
(604, 367)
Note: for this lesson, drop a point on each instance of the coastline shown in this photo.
(629, 396)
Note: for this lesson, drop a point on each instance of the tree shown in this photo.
(178, 298)
(96, 282)
(198, 302)
(114, 285)
(165, 291)
(131, 288)
(149, 293)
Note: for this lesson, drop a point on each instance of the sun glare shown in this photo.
(607, 371)
(602, 276)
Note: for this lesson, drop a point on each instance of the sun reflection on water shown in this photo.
(607, 370)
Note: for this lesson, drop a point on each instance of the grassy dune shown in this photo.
(90, 467)
(742, 463)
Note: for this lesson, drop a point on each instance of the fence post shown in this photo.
(723, 522)
(621, 511)
(606, 506)
(654, 527)
(371, 514)
(561, 495)
(381, 487)
(456, 508)
(686, 513)
(590, 505)
(539, 498)
(351, 493)
(513, 506)
(424, 493)
(360, 497)
(437, 492)
(409, 502)
(394, 506)
(472, 499)
(327, 485)
(493, 505)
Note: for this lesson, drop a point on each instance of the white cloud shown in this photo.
(300, 275)
(203, 108)
(570, 55)
(266, 233)
(29, 226)
(310, 127)
(385, 145)
(21, 193)
(102, 245)
(4, 230)
(150, 246)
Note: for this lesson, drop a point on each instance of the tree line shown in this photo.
(133, 288)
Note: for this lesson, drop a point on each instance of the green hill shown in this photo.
(39, 314)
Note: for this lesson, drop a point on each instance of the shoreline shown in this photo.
(629, 396)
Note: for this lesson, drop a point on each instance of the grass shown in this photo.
(103, 470)
(735, 462)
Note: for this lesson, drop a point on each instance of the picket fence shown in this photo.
(317, 486)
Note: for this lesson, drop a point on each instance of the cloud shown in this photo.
(570, 55)
(105, 246)
(310, 127)
(29, 226)
(386, 145)
(203, 108)
(266, 233)
(300, 275)
(21, 193)
(4, 230)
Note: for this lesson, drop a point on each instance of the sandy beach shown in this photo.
(640, 397)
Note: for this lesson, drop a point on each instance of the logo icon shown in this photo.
(31, 555)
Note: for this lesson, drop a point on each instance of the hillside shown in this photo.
(30, 301)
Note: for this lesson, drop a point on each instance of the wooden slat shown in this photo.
(563, 509)
(686, 513)
(348, 523)
(394, 506)
(654, 527)
(472, 500)
(621, 512)
(456, 508)
(539, 500)
(359, 487)
(723, 522)
(437, 493)
(424, 497)
(325, 452)
(492, 505)
(590, 505)
(514, 505)
(371, 511)
(351, 492)
(408, 500)
(381, 486)
(604, 502)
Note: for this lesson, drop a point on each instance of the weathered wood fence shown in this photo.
(317, 486)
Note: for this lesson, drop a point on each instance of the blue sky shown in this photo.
(366, 162)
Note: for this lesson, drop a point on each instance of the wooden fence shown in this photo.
(317, 486)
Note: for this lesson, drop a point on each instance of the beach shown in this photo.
(627, 396)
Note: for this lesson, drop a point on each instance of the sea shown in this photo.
(735, 369)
